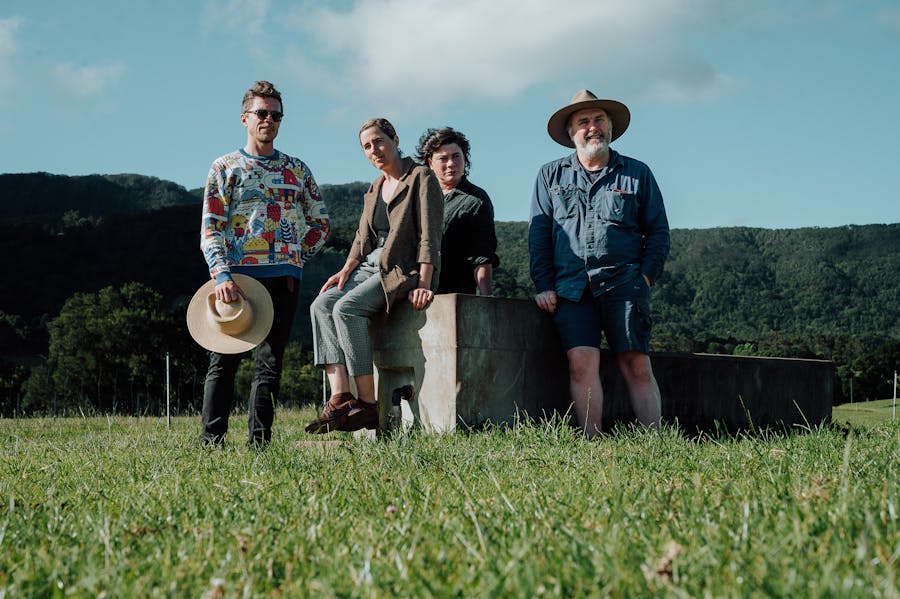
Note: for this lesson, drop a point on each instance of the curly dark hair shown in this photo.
(261, 89)
(433, 139)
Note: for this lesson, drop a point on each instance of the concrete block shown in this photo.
(475, 360)
(706, 392)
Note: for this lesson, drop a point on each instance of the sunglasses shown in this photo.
(262, 114)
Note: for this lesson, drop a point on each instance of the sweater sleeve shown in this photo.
(316, 216)
(214, 221)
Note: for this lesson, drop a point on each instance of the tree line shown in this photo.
(121, 351)
(95, 292)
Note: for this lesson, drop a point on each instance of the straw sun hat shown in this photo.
(617, 112)
(230, 328)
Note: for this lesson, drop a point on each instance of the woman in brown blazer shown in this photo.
(395, 256)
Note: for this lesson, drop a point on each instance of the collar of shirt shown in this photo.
(580, 173)
(615, 161)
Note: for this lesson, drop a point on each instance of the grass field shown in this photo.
(124, 507)
(866, 413)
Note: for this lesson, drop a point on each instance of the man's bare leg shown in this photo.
(585, 389)
(642, 387)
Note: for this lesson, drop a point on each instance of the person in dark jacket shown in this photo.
(469, 243)
(598, 237)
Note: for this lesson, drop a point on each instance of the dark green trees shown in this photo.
(107, 353)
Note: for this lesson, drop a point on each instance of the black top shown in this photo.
(469, 239)
(380, 221)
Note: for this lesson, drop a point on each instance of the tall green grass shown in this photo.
(123, 507)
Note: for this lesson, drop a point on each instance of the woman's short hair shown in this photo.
(433, 139)
(382, 123)
(384, 126)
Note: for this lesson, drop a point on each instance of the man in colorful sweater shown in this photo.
(262, 217)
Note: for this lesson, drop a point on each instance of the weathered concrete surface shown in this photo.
(475, 360)
(706, 391)
(471, 359)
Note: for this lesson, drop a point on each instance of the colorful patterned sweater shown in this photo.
(262, 216)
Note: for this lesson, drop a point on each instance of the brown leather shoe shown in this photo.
(361, 415)
(333, 416)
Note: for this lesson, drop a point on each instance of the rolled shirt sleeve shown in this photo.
(483, 236)
(431, 218)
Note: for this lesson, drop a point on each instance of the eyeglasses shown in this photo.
(262, 114)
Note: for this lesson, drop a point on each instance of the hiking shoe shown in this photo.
(361, 415)
(333, 416)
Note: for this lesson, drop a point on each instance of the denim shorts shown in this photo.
(622, 314)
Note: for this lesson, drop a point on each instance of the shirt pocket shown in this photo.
(618, 207)
(566, 202)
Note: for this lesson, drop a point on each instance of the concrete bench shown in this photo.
(475, 360)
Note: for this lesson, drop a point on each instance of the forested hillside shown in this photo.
(746, 283)
(44, 198)
(828, 293)
(87, 233)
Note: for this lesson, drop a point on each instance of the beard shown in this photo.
(593, 147)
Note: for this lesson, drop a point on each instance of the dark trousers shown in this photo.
(218, 390)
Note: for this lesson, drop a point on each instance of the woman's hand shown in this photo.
(419, 297)
(340, 277)
(337, 278)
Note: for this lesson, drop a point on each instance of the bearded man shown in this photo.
(598, 238)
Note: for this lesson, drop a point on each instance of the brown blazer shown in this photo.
(416, 214)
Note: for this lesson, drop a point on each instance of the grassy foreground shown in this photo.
(122, 507)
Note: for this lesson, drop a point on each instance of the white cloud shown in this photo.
(247, 17)
(890, 18)
(8, 28)
(690, 82)
(410, 54)
(86, 82)
(8, 48)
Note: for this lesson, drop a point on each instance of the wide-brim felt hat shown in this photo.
(617, 112)
(232, 328)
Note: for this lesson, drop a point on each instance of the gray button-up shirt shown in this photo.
(603, 232)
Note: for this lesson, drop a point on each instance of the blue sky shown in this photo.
(765, 114)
